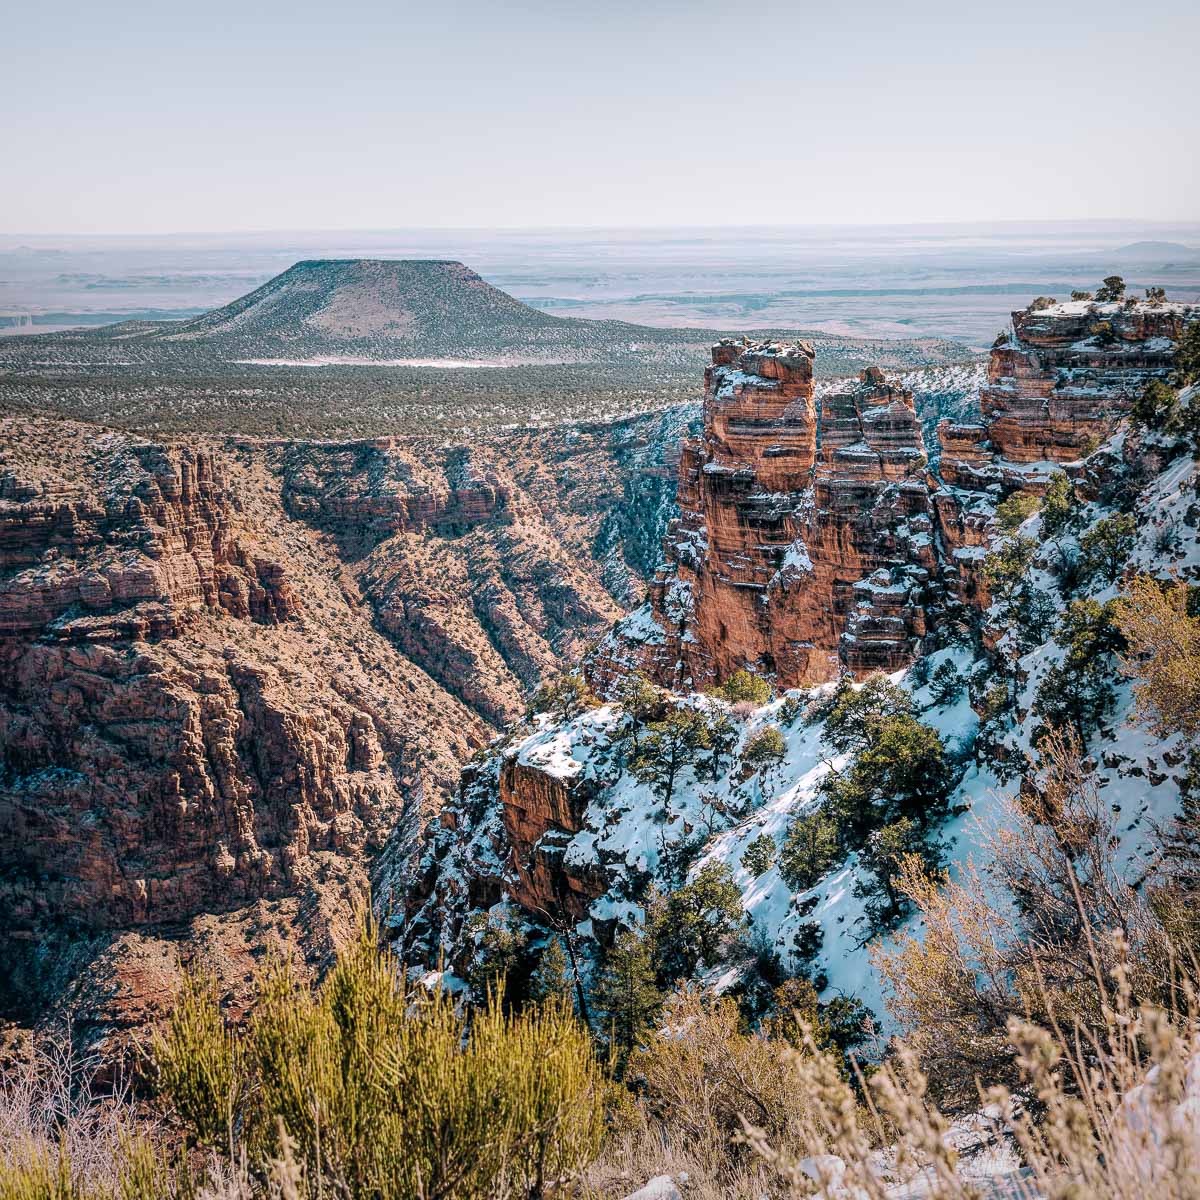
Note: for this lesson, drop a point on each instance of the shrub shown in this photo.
(743, 686)
(565, 697)
(1105, 547)
(810, 851)
(1156, 295)
(199, 1063)
(704, 1077)
(1015, 511)
(1113, 288)
(765, 750)
(378, 1091)
(1163, 655)
(759, 856)
(1042, 303)
(698, 921)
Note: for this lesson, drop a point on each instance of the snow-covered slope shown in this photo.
(620, 836)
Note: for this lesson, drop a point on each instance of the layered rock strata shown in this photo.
(804, 543)
(1059, 382)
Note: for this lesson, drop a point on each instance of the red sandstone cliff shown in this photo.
(788, 560)
(813, 540)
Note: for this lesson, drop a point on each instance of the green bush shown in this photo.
(810, 850)
(765, 750)
(742, 686)
(759, 856)
(386, 1092)
(1015, 510)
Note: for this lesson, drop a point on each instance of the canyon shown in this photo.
(237, 675)
(814, 540)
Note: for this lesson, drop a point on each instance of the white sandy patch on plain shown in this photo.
(342, 360)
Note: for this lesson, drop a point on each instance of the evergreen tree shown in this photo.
(743, 687)
(565, 697)
(1012, 512)
(759, 855)
(881, 856)
(947, 684)
(1113, 288)
(626, 998)
(1056, 506)
(1155, 407)
(641, 702)
(668, 746)
(722, 738)
(1187, 355)
(553, 981)
(902, 773)
(765, 750)
(1106, 547)
(857, 712)
(697, 920)
(500, 959)
(810, 850)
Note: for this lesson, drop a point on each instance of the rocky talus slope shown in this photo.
(553, 821)
(234, 673)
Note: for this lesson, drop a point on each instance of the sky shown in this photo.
(168, 116)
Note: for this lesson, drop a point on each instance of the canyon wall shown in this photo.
(238, 675)
(804, 540)
(812, 537)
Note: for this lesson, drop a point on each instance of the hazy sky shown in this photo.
(172, 116)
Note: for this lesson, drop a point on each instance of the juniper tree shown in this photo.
(1155, 407)
(553, 981)
(668, 746)
(1056, 505)
(765, 750)
(881, 857)
(565, 697)
(857, 712)
(810, 850)
(759, 855)
(744, 687)
(697, 921)
(901, 773)
(1106, 547)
